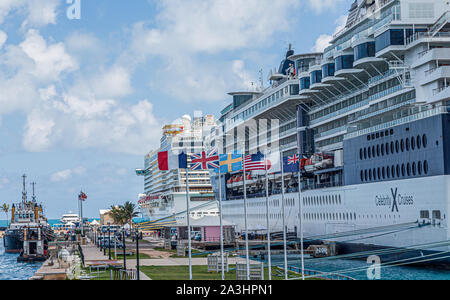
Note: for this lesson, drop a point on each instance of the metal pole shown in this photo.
(109, 242)
(283, 205)
(104, 241)
(115, 247)
(82, 223)
(247, 255)
(137, 255)
(221, 224)
(124, 252)
(300, 198)
(188, 216)
(269, 257)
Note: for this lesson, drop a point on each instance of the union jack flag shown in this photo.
(207, 160)
(293, 159)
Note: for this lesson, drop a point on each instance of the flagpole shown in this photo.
(245, 217)
(269, 257)
(284, 218)
(221, 223)
(301, 210)
(188, 213)
(82, 223)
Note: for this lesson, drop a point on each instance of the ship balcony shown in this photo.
(308, 92)
(436, 54)
(276, 77)
(319, 86)
(347, 72)
(367, 61)
(435, 74)
(332, 79)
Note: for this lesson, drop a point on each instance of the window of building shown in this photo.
(344, 62)
(424, 214)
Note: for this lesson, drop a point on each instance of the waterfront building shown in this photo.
(370, 119)
(165, 191)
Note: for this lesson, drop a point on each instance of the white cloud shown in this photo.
(37, 13)
(320, 6)
(114, 82)
(3, 38)
(323, 41)
(3, 182)
(67, 174)
(49, 60)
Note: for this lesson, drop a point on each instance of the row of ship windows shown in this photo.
(322, 200)
(344, 216)
(392, 148)
(395, 171)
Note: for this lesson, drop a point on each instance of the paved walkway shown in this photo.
(92, 254)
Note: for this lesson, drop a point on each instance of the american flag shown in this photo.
(255, 162)
(207, 160)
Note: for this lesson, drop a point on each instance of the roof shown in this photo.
(104, 211)
(209, 221)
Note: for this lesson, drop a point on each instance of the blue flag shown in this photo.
(291, 164)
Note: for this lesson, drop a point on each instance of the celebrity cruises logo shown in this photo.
(394, 200)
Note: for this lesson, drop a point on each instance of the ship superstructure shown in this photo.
(165, 191)
(370, 119)
(27, 218)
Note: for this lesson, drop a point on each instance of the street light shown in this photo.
(109, 241)
(124, 253)
(137, 254)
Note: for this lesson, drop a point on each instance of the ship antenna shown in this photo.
(261, 79)
(34, 196)
(24, 193)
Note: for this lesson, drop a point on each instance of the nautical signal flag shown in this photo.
(291, 164)
(169, 161)
(82, 196)
(207, 160)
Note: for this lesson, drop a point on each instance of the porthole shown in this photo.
(408, 169)
(414, 170)
(386, 133)
(382, 149)
(374, 174)
(397, 146)
(425, 167)
(398, 171)
(388, 172)
(402, 145)
(419, 167)
(424, 141)
(379, 173)
(393, 171)
(365, 175)
(391, 132)
(392, 147)
(419, 142)
(378, 135)
(407, 144)
(378, 150)
(383, 173)
(387, 149)
(403, 170)
(413, 143)
(365, 153)
(369, 152)
(373, 151)
(361, 154)
(370, 174)
(362, 176)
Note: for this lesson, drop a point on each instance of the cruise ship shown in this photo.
(164, 197)
(370, 119)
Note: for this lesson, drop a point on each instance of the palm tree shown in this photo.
(5, 209)
(117, 215)
(129, 212)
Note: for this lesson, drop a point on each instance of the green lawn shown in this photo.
(200, 273)
(195, 253)
(120, 255)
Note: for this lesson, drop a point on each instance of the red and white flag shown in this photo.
(82, 196)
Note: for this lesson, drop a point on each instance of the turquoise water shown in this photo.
(51, 222)
(10, 269)
(344, 267)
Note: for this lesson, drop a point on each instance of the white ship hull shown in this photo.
(368, 206)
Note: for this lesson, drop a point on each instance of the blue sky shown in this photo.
(82, 101)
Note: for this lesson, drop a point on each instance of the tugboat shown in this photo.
(29, 231)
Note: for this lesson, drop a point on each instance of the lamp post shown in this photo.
(137, 254)
(124, 250)
(109, 241)
(103, 242)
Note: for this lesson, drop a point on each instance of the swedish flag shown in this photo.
(230, 163)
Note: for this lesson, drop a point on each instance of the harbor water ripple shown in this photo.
(10, 269)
